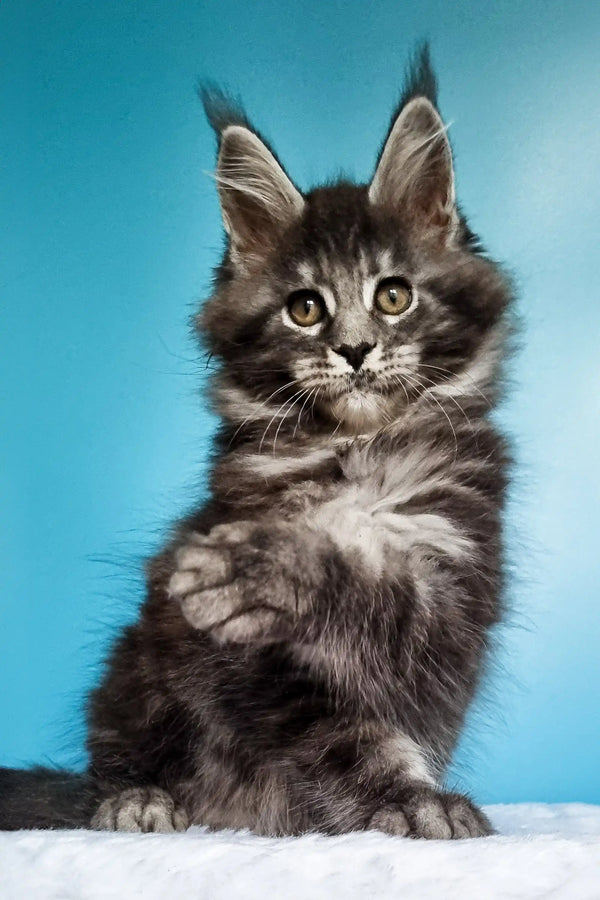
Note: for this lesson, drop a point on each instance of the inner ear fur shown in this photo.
(258, 199)
(415, 174)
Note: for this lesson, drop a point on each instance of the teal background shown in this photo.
(109, 230)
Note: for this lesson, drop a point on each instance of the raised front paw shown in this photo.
(422, 812)
(140, 809)
(232, 584)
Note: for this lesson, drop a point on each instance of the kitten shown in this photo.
(314, 633)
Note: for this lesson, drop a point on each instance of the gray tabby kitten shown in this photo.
(314, 633)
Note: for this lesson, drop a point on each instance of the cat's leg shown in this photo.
(322, 587)
(140, 810)
(370, 778)
(243, 583)
(251, 581)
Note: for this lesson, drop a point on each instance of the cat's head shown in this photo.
(346, 304)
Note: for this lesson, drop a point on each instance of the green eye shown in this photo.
(306, 308)
(393, 296)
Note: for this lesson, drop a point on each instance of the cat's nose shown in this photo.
(354, 355)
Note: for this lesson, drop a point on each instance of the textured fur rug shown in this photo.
(541, 851)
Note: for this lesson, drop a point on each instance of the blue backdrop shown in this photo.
(110, 227)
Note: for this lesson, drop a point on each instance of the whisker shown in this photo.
(427, 395)
(450, 397)
(312, 408)
(456, 375)
(399, 381)
(284, 404)
(255, 415)
(287, 412)
(335, 430)
(310, 393)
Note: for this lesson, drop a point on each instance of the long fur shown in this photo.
(313, 634)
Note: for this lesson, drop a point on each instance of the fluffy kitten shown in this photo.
(314, 633)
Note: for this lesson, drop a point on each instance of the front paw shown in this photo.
(229, 584)
(422, 812)
(140, 810)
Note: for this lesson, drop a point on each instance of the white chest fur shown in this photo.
(376, 511)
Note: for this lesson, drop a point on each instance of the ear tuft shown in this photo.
(220, 108)
(419, 80)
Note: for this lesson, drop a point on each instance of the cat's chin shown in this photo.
(361, 412)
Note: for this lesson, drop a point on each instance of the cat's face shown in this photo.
(352, 313)
(349, 303)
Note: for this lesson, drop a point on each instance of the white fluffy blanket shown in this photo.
(542, 851)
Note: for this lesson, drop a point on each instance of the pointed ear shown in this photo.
(258, 200)
(415, 175)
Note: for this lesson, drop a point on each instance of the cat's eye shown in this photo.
(393, 296)
(306, 308)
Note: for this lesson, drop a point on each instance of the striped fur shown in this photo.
(314, 633)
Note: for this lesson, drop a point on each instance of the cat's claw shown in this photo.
(229, 587)
(422, 812)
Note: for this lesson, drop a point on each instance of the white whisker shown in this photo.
(287, 412)
(452, 375)
(286, 402)
(254, 416)
(426, 395)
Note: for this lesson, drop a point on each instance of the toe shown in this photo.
(211, 565)
(233, 533)
(430, 821)
(181, 820)
(467, 820)
(425, 813)
(140, 810)
(206, 609)
(256, 625)
(390, 820)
